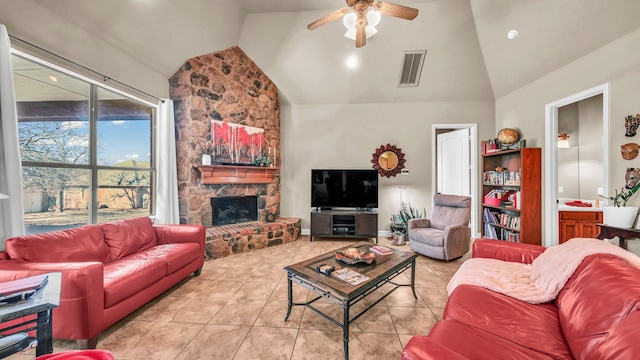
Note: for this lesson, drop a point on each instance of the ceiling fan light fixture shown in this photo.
(373, 17)
(370, 30)
(350, 34)
(349, 21)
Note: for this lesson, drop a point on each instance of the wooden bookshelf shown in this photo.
(526, 162)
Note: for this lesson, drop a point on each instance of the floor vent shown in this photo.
(411, 68)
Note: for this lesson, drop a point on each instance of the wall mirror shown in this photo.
(580, 163)
(388, 160)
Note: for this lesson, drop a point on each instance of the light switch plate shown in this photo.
(404, 171)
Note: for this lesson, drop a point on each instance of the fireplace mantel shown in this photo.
(230, 174)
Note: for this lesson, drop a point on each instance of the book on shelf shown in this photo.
(381, 250)
(350, 276)
(502, 178)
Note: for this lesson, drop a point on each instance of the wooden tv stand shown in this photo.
(344, 224)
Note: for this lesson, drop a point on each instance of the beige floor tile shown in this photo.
(314, 321)
(375, 320)
(403, 296)
(124, 336)
(404, 339)
(239, 274)
(267, 343)
(274, 312)
(434, 298)
(197, 310)
(255, 290)
(271, 275)
(366, 346)
(223, 289)
(239, 312)
(162, 342)
(220, 342)
(318, 345)
(411, 320)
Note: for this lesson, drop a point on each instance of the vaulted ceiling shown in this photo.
(469, 57)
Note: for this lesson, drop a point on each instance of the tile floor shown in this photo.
(236, 308)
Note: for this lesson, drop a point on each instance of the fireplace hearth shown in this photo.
(233, 210)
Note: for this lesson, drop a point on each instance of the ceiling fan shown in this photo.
(360, 9)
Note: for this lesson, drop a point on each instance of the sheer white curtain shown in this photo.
(167, 184)
(11, 222)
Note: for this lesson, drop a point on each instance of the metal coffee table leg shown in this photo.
(345, 330)
(289, 297)
(413, 278)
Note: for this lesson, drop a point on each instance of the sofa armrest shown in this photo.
(423, 348)
(418, 223)
(171, 234)
(80, 314)
(506, 251)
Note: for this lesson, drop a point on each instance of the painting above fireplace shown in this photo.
(236, 144)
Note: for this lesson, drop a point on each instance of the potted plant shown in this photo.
(262, 160)
(619, 214)
(400, 221)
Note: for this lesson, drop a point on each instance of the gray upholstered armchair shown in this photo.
(446, 235)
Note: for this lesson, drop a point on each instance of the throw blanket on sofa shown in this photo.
(540, 281)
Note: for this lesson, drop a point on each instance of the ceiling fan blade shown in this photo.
(361, 34)
(328, 18)
(395, 10)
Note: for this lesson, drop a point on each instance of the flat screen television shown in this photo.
(344, 188)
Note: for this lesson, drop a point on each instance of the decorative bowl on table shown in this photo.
(354, 256)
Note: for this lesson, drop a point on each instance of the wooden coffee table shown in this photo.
(381, 272)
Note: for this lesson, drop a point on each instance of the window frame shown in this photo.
(92, 165)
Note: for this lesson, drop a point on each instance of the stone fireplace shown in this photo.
(227, 86)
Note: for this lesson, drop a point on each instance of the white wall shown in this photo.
(346, 136)
(29, 21)
(617, 63)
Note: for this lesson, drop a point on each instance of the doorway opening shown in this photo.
(464, 167)
(551, 155)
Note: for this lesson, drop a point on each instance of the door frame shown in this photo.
(473, 159)
(551, 156)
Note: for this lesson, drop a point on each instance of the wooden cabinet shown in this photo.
(517, 175)
(579, 224)
(344, 224)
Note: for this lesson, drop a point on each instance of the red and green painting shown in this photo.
(235, 144)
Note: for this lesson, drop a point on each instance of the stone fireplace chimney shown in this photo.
(224, 86)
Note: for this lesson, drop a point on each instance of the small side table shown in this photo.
(41, 303)
(609, 232)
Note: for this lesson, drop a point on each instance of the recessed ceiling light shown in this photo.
(512, 34)
(53, 78)
(352, 61)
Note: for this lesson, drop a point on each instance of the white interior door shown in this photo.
(453, 163)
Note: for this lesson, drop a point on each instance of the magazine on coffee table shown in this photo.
(350, 276)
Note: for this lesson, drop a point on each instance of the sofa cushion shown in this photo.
(125, 237)
(478, 344)
(602, 292)
(85, 243)
(124, 277)
(429, 236)
(533, 326)
(175, 256)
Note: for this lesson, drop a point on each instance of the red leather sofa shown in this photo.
(595, 316)
(108, 270)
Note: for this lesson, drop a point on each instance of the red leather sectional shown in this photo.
(595, 316)
(108, 270)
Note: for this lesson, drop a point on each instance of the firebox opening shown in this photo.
(233, 210)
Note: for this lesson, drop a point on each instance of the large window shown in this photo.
(86, 150)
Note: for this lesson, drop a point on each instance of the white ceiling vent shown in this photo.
(411, 68)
